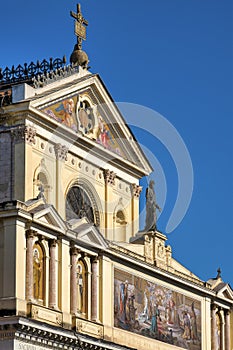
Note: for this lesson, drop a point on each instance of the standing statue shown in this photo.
(151, 207)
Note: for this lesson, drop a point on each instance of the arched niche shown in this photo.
(41, 181)
(119, 225)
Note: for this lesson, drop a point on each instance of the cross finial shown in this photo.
(219, 273)
(80, 25)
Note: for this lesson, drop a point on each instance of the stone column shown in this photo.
(30, 234)
(214, 345)
(222, 330)
(52, 274)
(94, 289)
(227, 330)
(73, 282)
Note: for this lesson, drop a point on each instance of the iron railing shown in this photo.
(28, 71)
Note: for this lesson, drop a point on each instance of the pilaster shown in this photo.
(23, 138)
(136, 191)
(64, 281)
(61, 156)
(109, 177)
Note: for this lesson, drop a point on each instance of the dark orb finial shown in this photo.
(79, 57)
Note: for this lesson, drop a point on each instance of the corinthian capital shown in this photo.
(61, 151)
(109, 177)
(24, 133)
(136, 190)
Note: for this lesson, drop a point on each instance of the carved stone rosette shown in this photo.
(136, 190)
(109, 177)
(24, 133)
(61, 151)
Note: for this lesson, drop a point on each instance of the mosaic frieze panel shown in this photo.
(151, 310)
(64, 112)
(79, 114)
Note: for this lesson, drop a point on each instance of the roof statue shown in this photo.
(151, 207)
(78, 56)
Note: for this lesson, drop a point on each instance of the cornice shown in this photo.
(29, 332)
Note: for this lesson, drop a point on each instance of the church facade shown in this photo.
(75, 271)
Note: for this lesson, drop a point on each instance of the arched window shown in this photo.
(38, 273)
(78, 205)
(81, 287)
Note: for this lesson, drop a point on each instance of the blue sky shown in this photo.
(175, 57)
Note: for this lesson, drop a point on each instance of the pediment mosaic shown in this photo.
(79, 113)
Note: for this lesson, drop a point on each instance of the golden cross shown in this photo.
(80, 23)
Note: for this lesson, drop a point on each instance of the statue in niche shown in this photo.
(151, 207)
(80, 287)
(37, 274)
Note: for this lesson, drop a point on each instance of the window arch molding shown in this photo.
(93, 196)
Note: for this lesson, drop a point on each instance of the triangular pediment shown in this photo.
(85, 107)
(86, 232)
(45, 215)
(225, 291)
